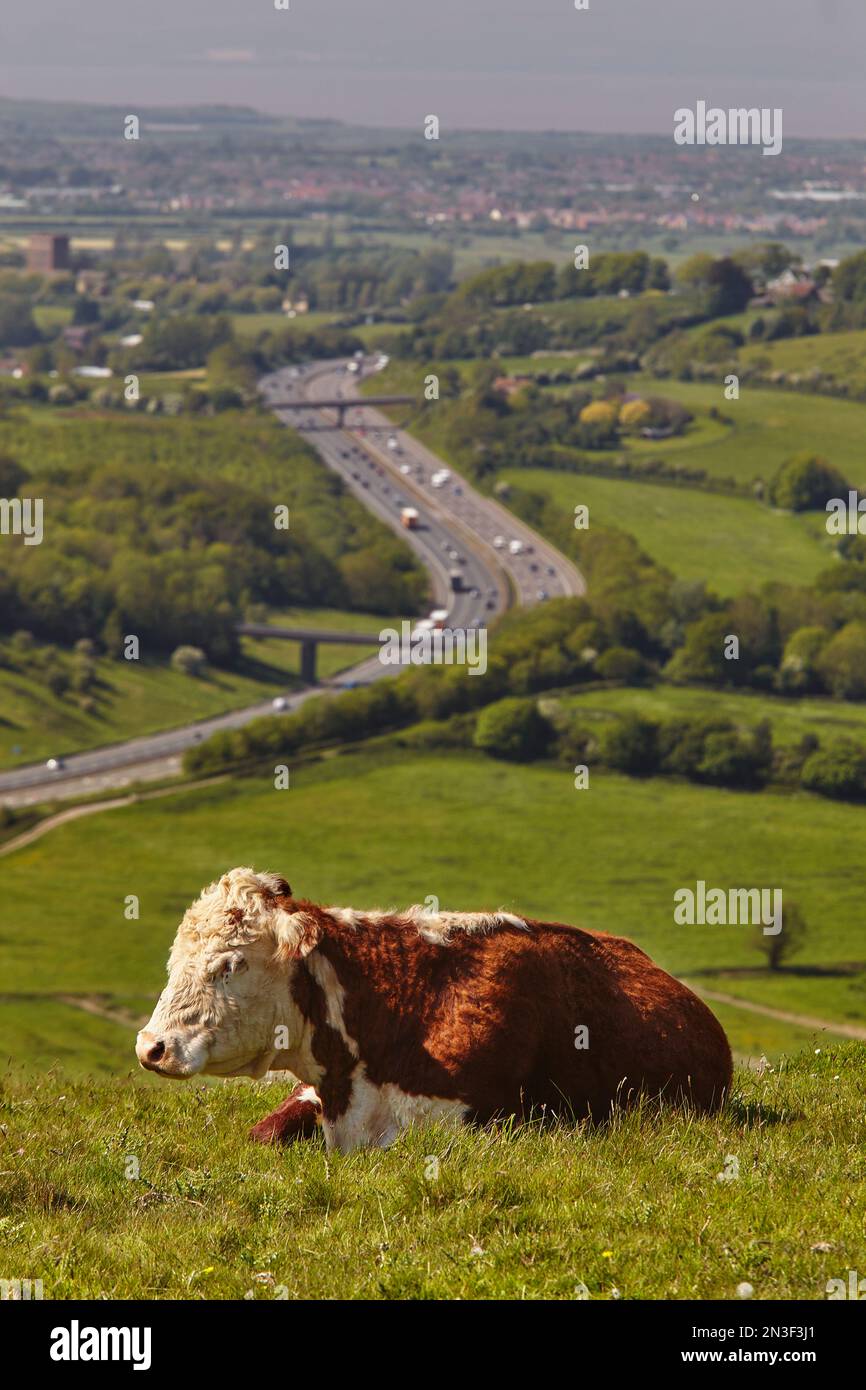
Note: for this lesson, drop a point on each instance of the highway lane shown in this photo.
(537, 572)
(457, 527)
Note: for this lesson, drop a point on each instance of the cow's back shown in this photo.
(570, 1020)
(497, 1019)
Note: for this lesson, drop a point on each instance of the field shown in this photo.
(108, 1191)
(731, 542)
(790, 719)
(758, 432)
(610, 859)
(769, 427)
(840, 355)
(133, 698)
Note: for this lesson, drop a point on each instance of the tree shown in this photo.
(805, 483)
(191, 661)
(635, 416)
(779, 948)
(849, 278)
(17, 327)
(723, 286)
(842, 662)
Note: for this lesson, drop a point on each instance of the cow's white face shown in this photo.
(228, 990)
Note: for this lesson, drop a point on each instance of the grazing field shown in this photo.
(768, 426)
(790, 719)
(731, 542)
(131, 698)
(250, 325)
(354, 830)
(109, 1191)
(838, 355)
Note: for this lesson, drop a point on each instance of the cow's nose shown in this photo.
(149, 1050)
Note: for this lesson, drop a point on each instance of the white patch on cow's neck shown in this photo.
(325, 976)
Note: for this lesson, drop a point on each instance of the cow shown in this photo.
(388, 1019)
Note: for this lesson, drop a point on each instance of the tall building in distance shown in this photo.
(47, 252)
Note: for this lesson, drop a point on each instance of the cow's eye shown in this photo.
(233, 965)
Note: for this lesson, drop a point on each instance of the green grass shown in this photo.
(135, 698)
(840, 355)
(482, 834)
(768, 427)
(790, 719)
(107, 1191)
(51, 316)
(757, 433)
(249, 325)
(732, 542)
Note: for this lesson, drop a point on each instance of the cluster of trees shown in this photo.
(501, 715)
(168, 532)
(487, 429)
(522, 282)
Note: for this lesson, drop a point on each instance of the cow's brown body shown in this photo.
(489, 1018)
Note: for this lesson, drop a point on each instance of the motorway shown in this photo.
(457, 527)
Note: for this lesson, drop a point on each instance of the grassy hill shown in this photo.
(132, 698)
(838, 355)
(731, 542)
(108, 1190)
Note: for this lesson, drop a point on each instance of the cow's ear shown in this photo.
(281, 888)
(296, 935)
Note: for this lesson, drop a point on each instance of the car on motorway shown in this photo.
(393, 442)
(405, 468)
(499, 542)
(542, 595)
(279, 703)
(55, 764)
(491, 603)
(515, 547)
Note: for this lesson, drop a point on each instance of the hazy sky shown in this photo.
(624, 65)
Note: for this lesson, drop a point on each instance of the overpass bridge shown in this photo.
(340, 404)
(309, 638)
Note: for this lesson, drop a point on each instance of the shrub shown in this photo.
(621, 664)
(513, 729)
(191, 661)
(632, 745)
(806, 483)
(838, 771)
